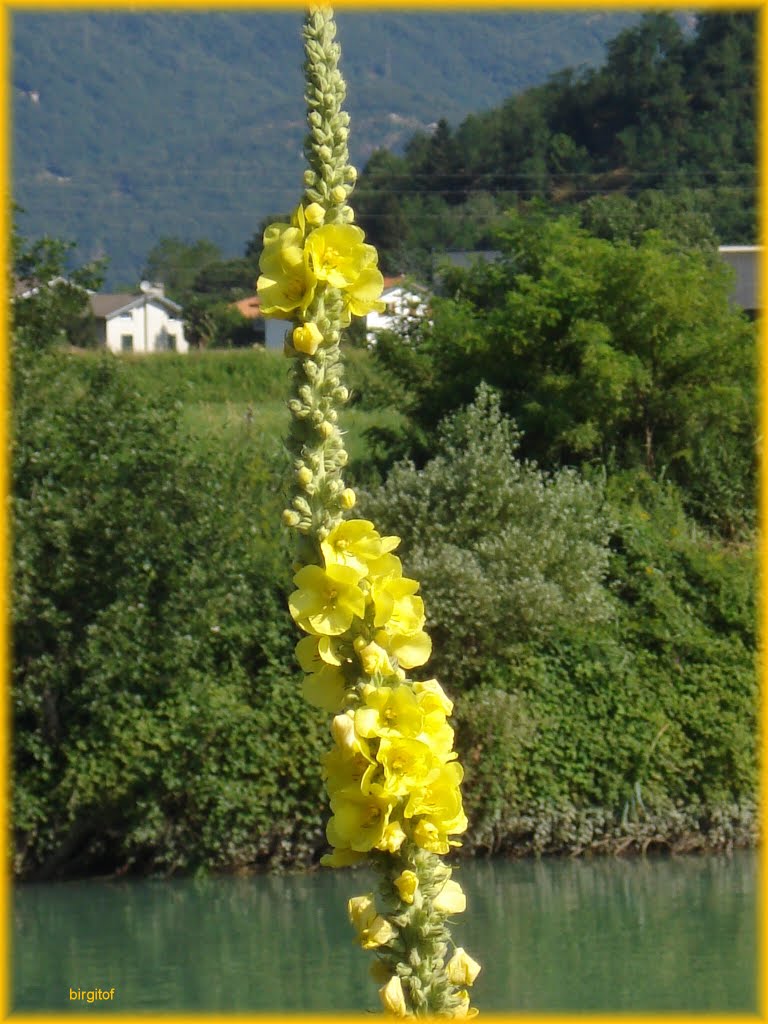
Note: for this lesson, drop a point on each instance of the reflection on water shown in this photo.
(551, 935)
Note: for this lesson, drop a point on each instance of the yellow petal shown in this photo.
(393, 998)
(450, 899)
(462, 969)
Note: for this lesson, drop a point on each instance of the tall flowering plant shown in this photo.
(392, 775)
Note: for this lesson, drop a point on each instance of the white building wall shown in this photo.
(400, 305)
(150, 327)
(745, 261)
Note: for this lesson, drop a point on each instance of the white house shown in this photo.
(148, 322)
(406, 304)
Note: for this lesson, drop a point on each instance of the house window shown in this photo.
(126, 343)
(171, 342)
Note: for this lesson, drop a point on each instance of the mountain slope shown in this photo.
(128, 127)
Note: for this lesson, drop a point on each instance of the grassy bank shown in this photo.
(231, 396)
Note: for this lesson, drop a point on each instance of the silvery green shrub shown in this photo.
(505, 551)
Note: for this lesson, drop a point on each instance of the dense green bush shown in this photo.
(152, 649)
(651, 716)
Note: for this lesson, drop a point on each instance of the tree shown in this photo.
(627, 354)
(177, 263)
(49, 297)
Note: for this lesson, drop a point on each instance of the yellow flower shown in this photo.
(387, 565)
(450, 899)
(428, 837)
(356, 544)
(410, 651)
(406, 884)
(440, 798)
(343, 769)
(307, 338)
(373, 659)
(393, 998)
(439, 736)
(372, 929)
(432, 697)
(392, 837)
(396, 606)
(389, 711)
(336, 254)
(362, 297)
(462, 969)
(343, 732)
(325, 689)
(312, 652)
(408, 765)
(359, 819)
(327, 599)
(284, 283)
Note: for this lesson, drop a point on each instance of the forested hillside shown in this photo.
(128, 127)
(669, 113)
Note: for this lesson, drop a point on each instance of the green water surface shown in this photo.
(556, 935)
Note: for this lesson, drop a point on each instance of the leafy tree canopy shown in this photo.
(619, 351)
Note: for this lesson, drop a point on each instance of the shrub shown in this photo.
(152, 725)
(504, 551)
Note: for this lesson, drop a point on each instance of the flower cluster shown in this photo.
(392, 775)
(362, 614)
(301, 260)
(392, 771)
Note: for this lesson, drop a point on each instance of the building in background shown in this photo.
(147, 322)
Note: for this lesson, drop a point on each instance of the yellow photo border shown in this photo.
(6, 13)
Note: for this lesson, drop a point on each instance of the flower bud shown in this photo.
(306, 339)
(348, 498)
(350, 173)
(314, 213)
(304, 476)
(341, 394)
(450, 899)
(338, 193)
(314, 119)
(290, 518)
(309, 178)
(324, 152)
(407, 883)
(325, 429)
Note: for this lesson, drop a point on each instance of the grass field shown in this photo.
(229, 396)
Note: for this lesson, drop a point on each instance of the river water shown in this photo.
(652, 934)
